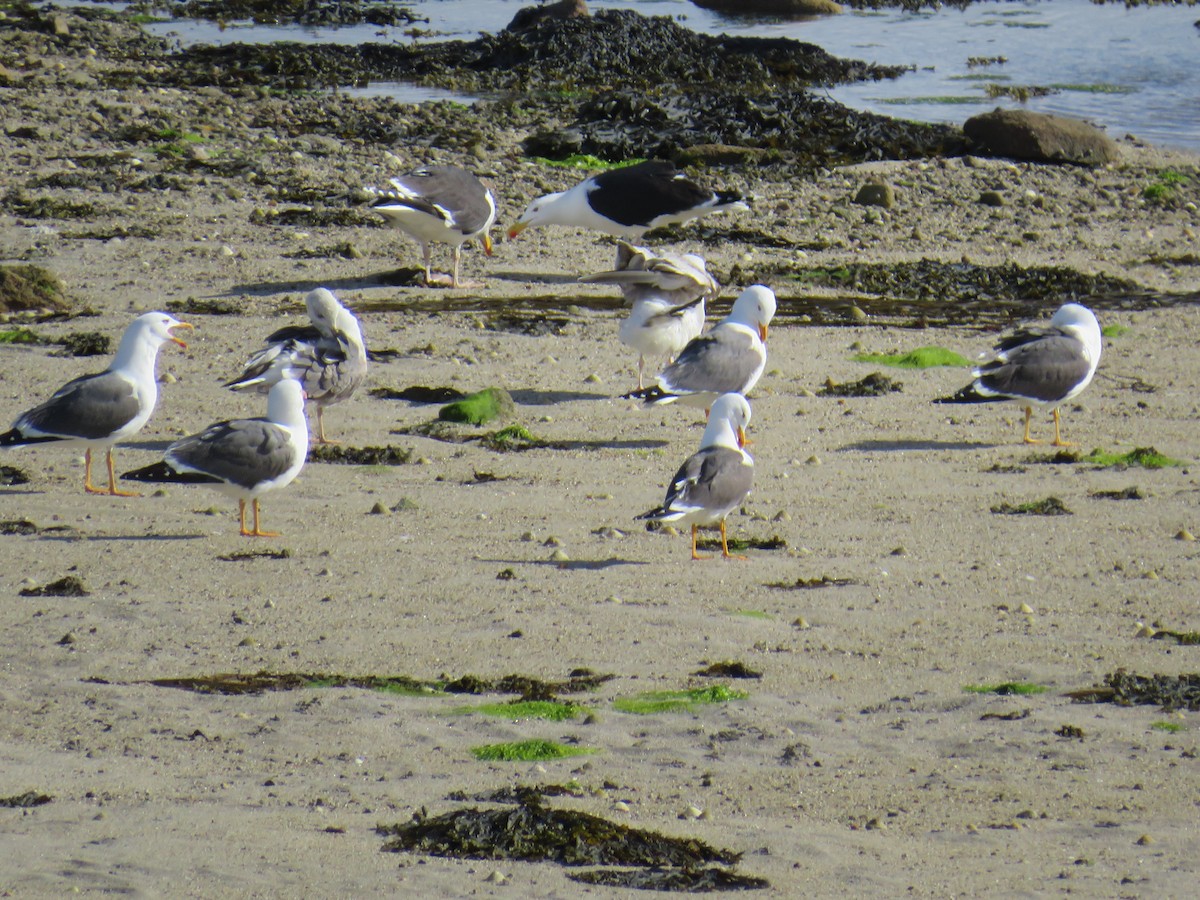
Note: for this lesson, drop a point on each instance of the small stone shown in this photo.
(1145, 631)
(247, 642)
(496, 877)
(1184, 535)
(813, 460)
(876, 193)
(1025, 609)
(691, 812)
(1144, 841)
(67, 639)
(593, 379)
(991, 198)
(621, 806)
(876, 824)
(380, 509)
(857, 314)
(552, 541)
(801, 623)
(559, 556)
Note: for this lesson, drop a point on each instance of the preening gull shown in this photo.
(1042, 367)
(641, 274)
(729, 358)
(715, 479)
(328, 357)
(99, 410)
(242, 458)
(439, 205)
(628, 202)
(667, 292)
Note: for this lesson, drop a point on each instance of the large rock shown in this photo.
(1021, 134)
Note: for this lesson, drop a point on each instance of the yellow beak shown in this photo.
(178, 340)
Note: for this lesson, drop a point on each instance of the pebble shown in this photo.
(1026, 609)
(559, 556)
(991, 198)
(380, 509)
(1184, 535)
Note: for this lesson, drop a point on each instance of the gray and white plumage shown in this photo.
(628, 201)
(716, 478)
(100, 410)
(1039, 367)
(328, 357)
(667, 292)
(242, 458)
(439, 205)
(729, 358)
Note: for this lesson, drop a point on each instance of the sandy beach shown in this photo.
(856, 764)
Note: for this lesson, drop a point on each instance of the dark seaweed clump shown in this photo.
(578, 681)
(282, 12)
(67, 586)
(874, 385)
(25, 801)
(1126, 689)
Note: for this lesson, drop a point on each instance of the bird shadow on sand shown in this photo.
(901, 446)
(582, 565)
(549, 398)
(159, 446)
(612, 445)
(135, 538)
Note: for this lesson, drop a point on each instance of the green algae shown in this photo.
(1144, 457)
(654, 702)
(551, 710)
(921, 358)
(479, 408)
(586, 161)
(1007, 688)
(534, 750)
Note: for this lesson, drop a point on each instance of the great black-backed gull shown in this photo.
(629, 201)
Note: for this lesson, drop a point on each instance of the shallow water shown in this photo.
(1133, 71)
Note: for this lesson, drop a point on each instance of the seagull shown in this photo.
(100, 410)
(729, 358)
(716, 478)
(243, 458)
(328, 357)
(668, 292)
(1043, 367)
(641, 273)
(442, 205)
(629, 201)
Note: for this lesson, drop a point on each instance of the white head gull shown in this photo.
(242, 458)
(729, 358)
(1042, 367)
(100, 410)
(328, 357)
(628, 202)
(439, 205)
(667, 291)
(715, 479)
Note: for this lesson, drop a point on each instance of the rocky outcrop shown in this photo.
(1038, 137)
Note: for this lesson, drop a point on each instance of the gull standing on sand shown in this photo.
(716, 478)
(1042, 367)
(668, 292)
(629, 201)
(729, 358)
(242, 458)
(328, 357)
(98, 411)
(439, 205)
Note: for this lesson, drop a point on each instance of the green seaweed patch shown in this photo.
(359, 456)
(1050, 506)
(18, 336)
(586, 161)
(1115, 330)
(939, 100)
(552, 710)
(1145, 457)
(1007, 688)
(479, 408)
(1164, 188)
(921, 358)
(1186, 638)
(651, 703)
(1099, 87)
(512, 439)
(750, 613)
(1168, 727)
(534, 750)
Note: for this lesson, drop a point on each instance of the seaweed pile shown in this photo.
(629, 85)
